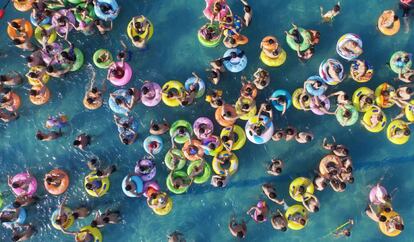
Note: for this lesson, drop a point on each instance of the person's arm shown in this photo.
(284, 108)
(250, 210)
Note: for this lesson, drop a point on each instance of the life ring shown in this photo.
(367, 119)
(23, 5)
(151, 94)
(40, 99)
(124, 96)
(384, 101)
(149, 141)
(107, 16)
(61, 30)
(294, 186)
(390, 30)
(243, 115)
(69, 219)
(297, 95)
(201, 86)
(267, 129)
(392, 127)
(291, 211)
(232, 114)
(79, 59)
(203, 128)
(216, 35)
(146, 169)
(281, 93)
(169, 159)
(323, 100)
(26, 178)
(150, 187)
(274, 62)
(323, 71)
(36, 81)
(38, 33)
(345, 38)
(26, 28)
(306, 36)
(165, 210)
(356, 97)
(104, 185)
(169, 86)
(316, 91)
(171, 187)
(239, 136)
(96, 58)
(383, 225)
(16, 102)
(125, 78)
(21, 218)
(231, 158)
(325, 161)
(237, 65)
(139, 185)
(398, 65)
(212, 145)
(62, 187)
(340, 115)
(95, 232)
(131, 32)
(203, 177)
(192, 150)
(187, 128)
(364, 78)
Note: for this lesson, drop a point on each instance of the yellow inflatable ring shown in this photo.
(381, 100)
(36, 81)
(166, 210)
(295, 99)
(291, 211)
(397, 124)
(273, 62)
(38, 33)
(356, 97)
(170, 85)
(383, 225)
(102, 190)
(389, 31)
(409, 111)
(40, 99)
(95, 232)
(242, 114)
(69, 221)
(132, 33)
(240, 136)
(367, 119)
(301, 182)
(232, 158)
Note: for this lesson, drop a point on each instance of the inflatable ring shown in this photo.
(26, 178)
(132, 32)
(139, 184)
(356, 97)
(393, 29)
(274, 62)
(44, 21)
(90, 16)
(95, 232)
(221, 120)
(39, 35)
(169, 159)
(188, 131)
(209, 12)
(409, 111)
(297, 94)
(40, 99)
(146, 169)
(203, 127)
(171, 187)
(383, 225)
(92, 106)
(239, 136)
(127, 75)
(201, 86)
(291, 211)
(367, 119)
(326, 160)
(172, 85)
(98, 54)
(212, 145)
(203, 177)
(246, 93)
(239, 108)
(36, 81)
(284, 93)
(16, 102)
(235, 66)
(63, 186)
(315, 109)
(401, 66)
(347, 121)
(27, 28)
(23, 5)
(381, 100)
(391, 130)
(21, 218)
(368, 73)
(79, 59)
(345, 38)
(166, 210)
(106, 16)
(267, 129)
(61, 30)
(102, 190)
(149, 140)
(301, 182)
(228, 156)
(152, 95)
(122, 94)
(323, 71)
(373, 194)
(69, 219)
(313, 91)
(150, 187)
(192, 150)
(305, 43)
(216, 35)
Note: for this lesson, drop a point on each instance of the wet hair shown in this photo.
(49, 68)
(15, 237)
(407, 132)
(88, 186)
(220, 183)
(94, 90)
(289, 131)
(16, 204)
(316, 209)
(99, 173)
(233, 54)
(342, 185)
(33, 92)
(75, 215)
(225, 138)
(272, 195)
(39, 136)
(155, 127)
(347, 114)
(240, 234)
(145, 90)
(387, 209)
(245, 106)
(130, 91)
(283, 229)
(49, 179)
(76, 142)
(201, 130)
(94, 223)
(399, 227)
(65, 54)
(337, 8)
(347, 233)
(213, 74)
(125, 141)
(351, 180)
(106, 220)
(118, 100)
(263, 82)
(90, 100)
(270, 41)
(232, 41)
(15, 25)
(301, 189)
(247, 9)
(181, 130)
(281, 99)
(260, 217)
(308, 138)
(302, 221)
(278, 170)
(382, 218)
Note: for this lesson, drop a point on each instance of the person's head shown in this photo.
(89, 100)
(225, 138)
(233, 54)
(39, 136)
(263, 83)
(16, 237)
(289, 131)
(347, 114)
(88, 186)
(295, 32)
(279, 135)
(281, 99)
(232, 41)
(318, 84)
(245, 106)
(229, 19)
(201, 130)
(409, 90)
(337, 8)
(379, 117)
(33, 92)
(302, 221)
(76, 142)
(118, 101)
(125, 141)
(170, 94)
(395, 18)
(342, 185)
(211, 146)
(316, 209)
(399, 226)
(387, 209)
(29, 59)
(301, 189)
(145, 90)
(351, 180)
(240, 234)
(271, 41)
(106, 220)
(65, 54)
(99, 173)
(213, 74)
(305, 98)
(94, 90)
(349, 169)
(228, 114)
(49, 179)
(347, 233)
(220, 183)
(15, 25)
(32, 75)
(94, 223)
(278, 170)
(382, 218)
(247, 9)
(16, 204)
(219, 102)
(130, 91)
(308, 138)
(49, 69)
(181, 130)
(407, 132)
(283, 229)
(272, 195)
(260, 217)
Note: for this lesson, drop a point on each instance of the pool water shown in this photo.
(203, 212)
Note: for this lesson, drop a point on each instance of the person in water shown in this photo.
(341, 97)
(344, 232)
(270, 192)
(82, 141)
(64, 215)
(141, 26)
(279, 221)
(23, 232)
(131, 187)
(329, 16)
(275, 167)
(338, 150)
(261, 78)
(215, 98)
(238, 230)
(159, 128)
(179, 182)
(108, 217)
(176, 237)
(303, 137)
(220, 180)
(248, 13)
(311, 203)
(48, 136)
(406, 6)
(12, 79)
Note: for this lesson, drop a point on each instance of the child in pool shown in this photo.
(329, 16)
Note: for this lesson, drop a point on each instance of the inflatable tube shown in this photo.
(376, 194)
(152, 95)
(171, 187)
(44, 21)
(109, 15)
(16, 102)
(90, 16)
(356, 97)
(381, 100)
(220, 119)
(98, 54)
(313, 91)
(231, 159)
(150, 187)
(279, 93)
(203, 127)
(209, 13)
(391, 30)
(239, 136)
(127, 133)
(212, 145)
(104, 185)
(62, 187)
(95, 232)
(166, 210)
(169, 86)
(322, 99)
(398, 63)
(409, 111)
(203, 177)
(192, 150)
(26, 178)
(169, 159)
(188, 131)
(266, 129)
(36, 81)
(200, 86)
(69, 219)
(326, 160)
(146, 169)
(23, 5)
(343, 40)
(121, 81)
(367, 119)
(27, 28)
(40, 99)
(243, 115)
(323, 71)
(392, 129)
(138, 184)
(21, 218)
(69, 17)
(237, 64)
(296, 184)
(291, 211)
(149, 141)
(79, 59)
(39, 35)
(297, 94)
(383, 225)
(131, 32)
(215, 35)
(347, 121)
(305, 40)
(122, 94)
(248, 90)
(274, 62)
(366, 77)
(237, 26)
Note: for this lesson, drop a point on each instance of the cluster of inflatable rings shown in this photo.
(170, 186)
(409, 111)
(203, 177)
(389, 31)
(323, 71)
(132, 32)
(27, 28)
(235, 66)
(95, 232)
(212, 141)
(297, 94)
(356, 97)
(169, 158)
(397, 124)
(40, 99)
(98, 54)
(26, 178)
(367, 119)
(172, 85)
(166, 210)
(316, 92)
(350, 121)
(70, 17)
(366, 77)
(151, 100)
(242, 114)
(215, 41)
(274, 62)
(102, 190)
(301, 182)
(220, 119)
(125, 78)
(266, 134)
(305, 43)
(325, 161)
(197, 127)
(400, 67)
(146, 174)
(122, 94)
(139, 184)
(291, 211)
(373, 198)
(21, 218)
(176, 126)
(63, 186)
(239, 136)
(345, 38)
(100, 14)
(381, 100)
(192, 150)
(69, 219)
(383, 225)
(201, 86)
(39, 35)
(36, 81)
(322, 99)
(231, 157)
(23, 5)
(150, 139)
(284, 93)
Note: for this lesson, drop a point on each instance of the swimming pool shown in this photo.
(202, 214)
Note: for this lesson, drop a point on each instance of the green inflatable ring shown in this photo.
(176, 125)
(79, 59)
(38, 34)
(169, 159)
(52, 6)
(170, 186)
(76, 1)
(210, 43)
(102, 65)
(91, 13)
(398, 69)
(352, 120)
(202, 178)
(305, 43)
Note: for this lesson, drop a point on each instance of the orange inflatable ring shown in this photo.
(266, 45)
(241, 39)
(193, 151)
(220, 119)
(27, 28)
(23, 5)
(57, 190)
(16, 102)
(390, 30)
(40, 99)
(92, 106)
(328, 159)
(253, 92)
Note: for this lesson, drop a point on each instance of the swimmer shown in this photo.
(406, 6)
(93, 164)
(374, 216)
(261, 78)
(48, 136)
(104, 173)
(334, 70)
(227, 115)
(38, 74)
(159, 128)
(179, 182)
(7, 116)
(345, 232)
(407, 77)
(266, 110)
(123, 55)
(320, 182)
(306, 54)
(102, 26)
(298, 218)
(388, 19)
(311, 203)
(24, 201)
(176, 237)
(214, 76)
(12, 79)
(316, 85)
(10, 214)
(34, 59)
(402, 96)
(341, 97)
(197, 170)
(140, 27)
(248, 89)
(58, 73)
(94, 96)
(220, 180)
(279, 135)
(346, 114)
(23, 185)
(337, 185)
(123, 103)
(351, 47)
(247, 13)
(329, 16)
(291, 133)
(217, 64)
(214, 97)
(279, 221)
(82, 141)
(230, 42)
(190, 95)
(375, 119)
(303, 137)
(338, 150)
(122, 123)
(275, 167)
(108, 217)
(53, 179)
(62, 215)
(320, 105)
(23, 232)
(400, 132)
(280, 100)
(238, 230)
(24, 44)
(68, 56)
(270, 192)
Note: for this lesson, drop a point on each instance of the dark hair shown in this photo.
(316, 209)
(279, 170)
(302, 221)
(125, 141)
(342, 185)
(260, 217)
(351, 180)
(407, 132)
(387, 209)
(220, 183)
(15, 237)
(283, 229)
(301, 189)
(39, 136)
(130, 91)
(347, 233)
(155, 127)
(49, 179)
(49, 68)
(145, 90)
(64, 54)
(106, 220)
(240, 234)
(118, 100)
(272, 195)
(89, 100)
(232, 41)
(94, 223)
(99, 173)
(247, 9)
(382, 218)
(201, 130)
(88, 186)
(33, 92)
(337, 8)
(16, 204)
(76, 142)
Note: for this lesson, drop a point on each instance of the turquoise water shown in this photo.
(202, 214)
